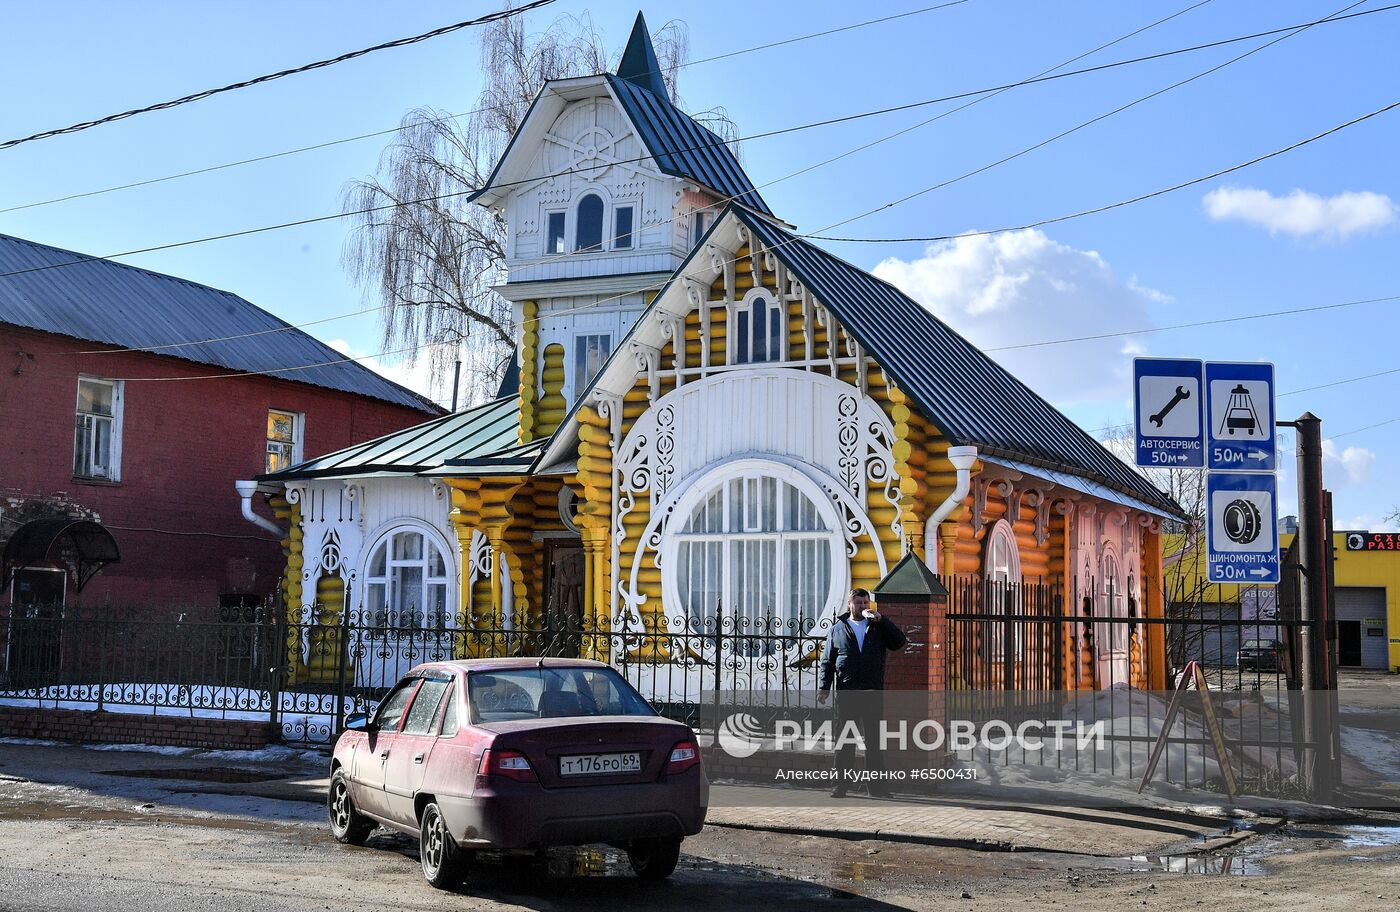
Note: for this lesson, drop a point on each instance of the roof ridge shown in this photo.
(94, 258)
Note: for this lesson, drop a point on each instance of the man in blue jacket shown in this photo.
(854, 660)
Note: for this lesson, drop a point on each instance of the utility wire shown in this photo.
(779, 132)
(435, 120)
(844, 119)
(257, 80)
(1296, 145)
(762, 186)
(1088, 123)
(1216, 322)
(1121, 203)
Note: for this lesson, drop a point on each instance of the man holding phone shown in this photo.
(854, 660)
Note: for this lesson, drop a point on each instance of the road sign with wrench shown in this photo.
(1168, 413)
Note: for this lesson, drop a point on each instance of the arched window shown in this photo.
(1003, 560)
(1001, 568)
(759, 550)
(758, 330)
(407, 582)
(588, 223)
(1110, 637)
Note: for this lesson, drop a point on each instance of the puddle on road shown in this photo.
(1369, 837)
(1216, 865)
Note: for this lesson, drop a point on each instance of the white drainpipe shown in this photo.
(246, 490)
(962, 458)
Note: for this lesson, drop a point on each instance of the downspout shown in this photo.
(246, 490)
(962, 458)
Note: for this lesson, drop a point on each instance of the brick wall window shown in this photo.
(284, 433)
(97, 433)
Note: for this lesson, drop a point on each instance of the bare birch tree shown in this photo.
(426, 254)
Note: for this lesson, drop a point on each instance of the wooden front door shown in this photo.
(563, 582)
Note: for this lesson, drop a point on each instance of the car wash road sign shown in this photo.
(1167, 399)
(1240, 416)
(1241, 530)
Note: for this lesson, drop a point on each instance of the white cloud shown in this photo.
(1368, 522)
(1303, 214)
(1350, 466)
(1022, 286)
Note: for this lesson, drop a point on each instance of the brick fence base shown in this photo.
(123, 728)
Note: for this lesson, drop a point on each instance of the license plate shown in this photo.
(600, 764)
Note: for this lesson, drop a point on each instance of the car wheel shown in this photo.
(347, 824)
(654, 859)
(444, 865)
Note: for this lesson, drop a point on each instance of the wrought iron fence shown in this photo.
(305, 671)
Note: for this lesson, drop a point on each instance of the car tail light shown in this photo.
(507, 763)
(683, 756)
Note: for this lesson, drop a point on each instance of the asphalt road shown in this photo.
(75, 841)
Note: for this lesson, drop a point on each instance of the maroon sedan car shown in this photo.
(518, 754)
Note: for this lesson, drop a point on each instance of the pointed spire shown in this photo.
(639, 65)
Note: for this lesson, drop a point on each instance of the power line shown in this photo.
(1090, 122)
(434, 120)
(1121, 203)
(1296, 145)
(830, 122)
(1199, 323)
(258, 80)
(1368, 427)
(785, 130)
(1322, 386)
(779, 180)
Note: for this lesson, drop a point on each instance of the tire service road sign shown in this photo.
(1167, 399)
(1241, 539)
(1240, 417)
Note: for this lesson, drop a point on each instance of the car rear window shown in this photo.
(552, 693)
(1258, 644)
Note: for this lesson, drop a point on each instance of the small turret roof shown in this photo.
(639, 65)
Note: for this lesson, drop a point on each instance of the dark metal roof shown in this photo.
(639, 63)
(683, 148)
(72, 294)
(482, 440)
(968, 396)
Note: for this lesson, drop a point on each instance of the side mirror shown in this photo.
(357, 722)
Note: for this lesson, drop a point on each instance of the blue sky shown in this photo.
(1181, 258)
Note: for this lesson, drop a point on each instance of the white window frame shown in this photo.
(298, 436)
(1110, 601)
(563, 237)
(774, 311)
(631, 235)
(603, 226)
(395, 617)
(578, 383)
(1002, 575)
(746, 471)
(114, 457)
(701, 220)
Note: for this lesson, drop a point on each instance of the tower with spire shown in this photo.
(604, 189)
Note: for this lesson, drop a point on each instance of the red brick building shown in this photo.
(136, 400)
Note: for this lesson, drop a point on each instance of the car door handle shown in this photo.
(417, 758)
(384, 754)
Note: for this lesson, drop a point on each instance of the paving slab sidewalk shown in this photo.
(300, 777)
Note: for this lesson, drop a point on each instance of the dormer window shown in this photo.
(622, 228)
(758, 330)
(588, 225)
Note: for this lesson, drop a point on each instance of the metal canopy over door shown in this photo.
(1361, 628)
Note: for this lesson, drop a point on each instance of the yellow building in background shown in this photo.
(1366, 574)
